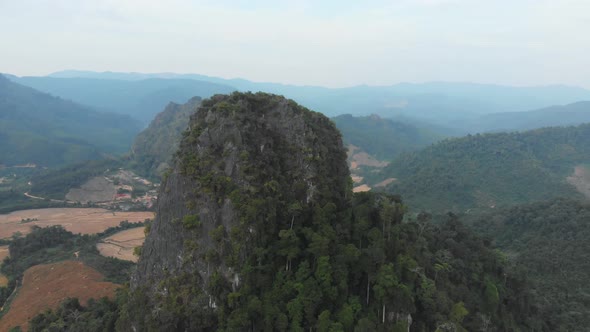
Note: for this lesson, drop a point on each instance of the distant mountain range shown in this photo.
(38, 128)
(566, 115)
(439, 103)
(141, 100)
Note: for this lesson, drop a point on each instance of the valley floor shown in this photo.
(75, 220)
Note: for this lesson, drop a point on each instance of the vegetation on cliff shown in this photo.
(271, 238)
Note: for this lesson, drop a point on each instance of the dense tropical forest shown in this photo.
(372, 272)
(489, 170)
(548, 240)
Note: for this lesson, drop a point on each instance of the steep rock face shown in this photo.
(153, 147)
(249, 166)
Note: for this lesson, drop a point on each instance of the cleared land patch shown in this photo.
(75, 220)
(361, 188)
(121, 244)
(46, 286)
(581, 180)
(97, 189)
(386, 182)
(358, 158)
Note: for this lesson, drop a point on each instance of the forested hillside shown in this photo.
(549, 241)
(38, 128)
(492, 169)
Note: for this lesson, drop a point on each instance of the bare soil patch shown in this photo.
(3, 254)
(97, 189)
(356, 178)
(121, 244)
(358, 158)
(46, 286)
(75, 220)
(361, 188)
(3, 281)
(581, 180)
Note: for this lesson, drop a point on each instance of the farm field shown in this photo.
(46, 286)
(75, 220)
(121, 244)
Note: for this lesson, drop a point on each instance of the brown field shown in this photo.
(75, 220)
(358, 158)
(3, 254)
(121, 245)
(356, 178)
(46, 286)
(361, 188)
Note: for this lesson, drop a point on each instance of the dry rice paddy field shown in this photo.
(121, 244)
(46, 286)
(75, 220)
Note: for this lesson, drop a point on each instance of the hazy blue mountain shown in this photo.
(38, 128)
(567, 115)
(141, 99)
(442, 102)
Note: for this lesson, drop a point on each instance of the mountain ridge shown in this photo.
(46, 130)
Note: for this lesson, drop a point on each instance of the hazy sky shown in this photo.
(315, 42)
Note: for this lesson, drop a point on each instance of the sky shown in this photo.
(309, 42)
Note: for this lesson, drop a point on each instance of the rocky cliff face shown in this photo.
(248, 167)
(153, 148)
